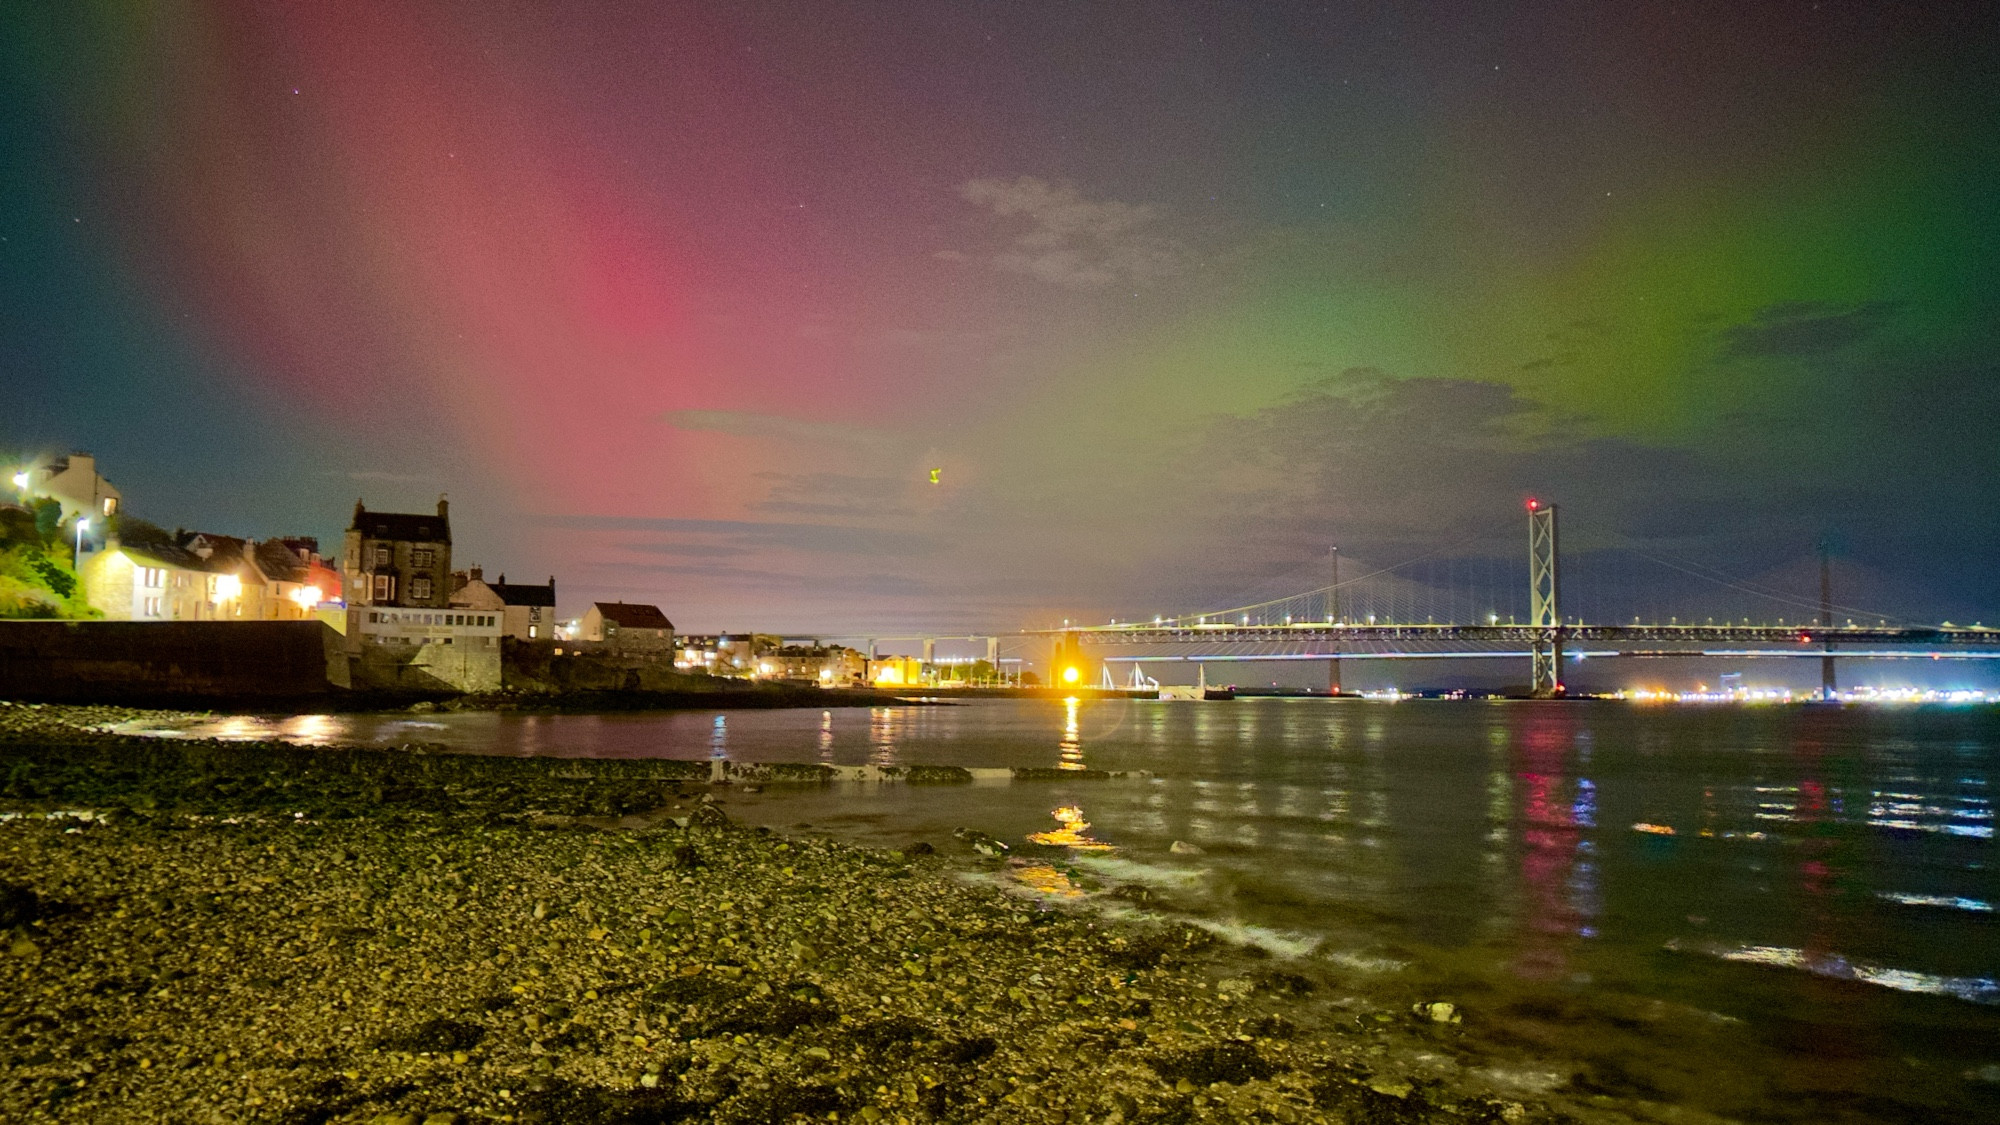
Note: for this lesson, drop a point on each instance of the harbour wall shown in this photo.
(170, 661)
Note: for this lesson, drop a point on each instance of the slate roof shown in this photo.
(626, 615)
(402, 526)
(160, 554)
(279, 561)
(524, 593)
(222, 547)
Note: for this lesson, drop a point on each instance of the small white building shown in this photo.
(397, 646)
(73, 482)
(527, 610)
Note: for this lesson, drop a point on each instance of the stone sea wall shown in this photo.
(136, 662)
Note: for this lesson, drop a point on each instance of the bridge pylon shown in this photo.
(1068, 666)
(1544, 602)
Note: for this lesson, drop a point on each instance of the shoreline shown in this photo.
(237, 931)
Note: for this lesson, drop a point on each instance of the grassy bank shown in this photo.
(241, 932)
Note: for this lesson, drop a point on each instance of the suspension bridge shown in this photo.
(1373, 616)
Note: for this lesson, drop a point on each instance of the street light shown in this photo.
(76, 560)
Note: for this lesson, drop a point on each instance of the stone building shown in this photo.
(398, 559)
(723, 654)
(629, 628)
(826, 665)
(397, 570)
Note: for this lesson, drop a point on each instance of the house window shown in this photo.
(420, 588)
(110, 505)
(533, 630)
(381, 554)
(151, 607)
(152, 577)
(385, 587)
(422, 556)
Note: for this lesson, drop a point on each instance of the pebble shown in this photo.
(432, 944)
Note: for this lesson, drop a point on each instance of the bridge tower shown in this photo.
(1544, 601)
(1333, 619)
(1068, 667)
(1828, 689)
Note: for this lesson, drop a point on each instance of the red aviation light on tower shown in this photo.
(1534, 505)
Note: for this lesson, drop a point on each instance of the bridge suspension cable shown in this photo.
(1746, 586)
(1302, 595)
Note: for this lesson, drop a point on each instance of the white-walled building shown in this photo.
(73, 482)
(527, 611)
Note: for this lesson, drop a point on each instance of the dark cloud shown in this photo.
(1807, 329)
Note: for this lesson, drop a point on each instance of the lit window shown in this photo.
(385, 587)
(110, 505)
(533, 630)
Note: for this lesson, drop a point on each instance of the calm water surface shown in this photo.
(1772, 914)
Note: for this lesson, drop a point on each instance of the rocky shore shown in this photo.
(194, 932)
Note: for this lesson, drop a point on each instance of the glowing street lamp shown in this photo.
(21, 484)
(76, 560)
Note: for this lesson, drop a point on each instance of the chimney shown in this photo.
(476, 574)
(358, 510)
(444, 506)
(503, 578)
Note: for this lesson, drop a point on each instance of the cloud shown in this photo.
(1074, 242)
(1807, 329)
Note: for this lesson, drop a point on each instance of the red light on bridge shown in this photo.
(1805, 638)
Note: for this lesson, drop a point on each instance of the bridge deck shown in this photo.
(1320, 641)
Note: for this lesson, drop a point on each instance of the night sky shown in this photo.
(683, 302)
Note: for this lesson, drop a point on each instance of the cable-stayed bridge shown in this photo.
(1374, 616)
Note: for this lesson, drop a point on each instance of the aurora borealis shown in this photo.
(682, 302)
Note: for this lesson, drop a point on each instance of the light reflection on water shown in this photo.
(1822, 876)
